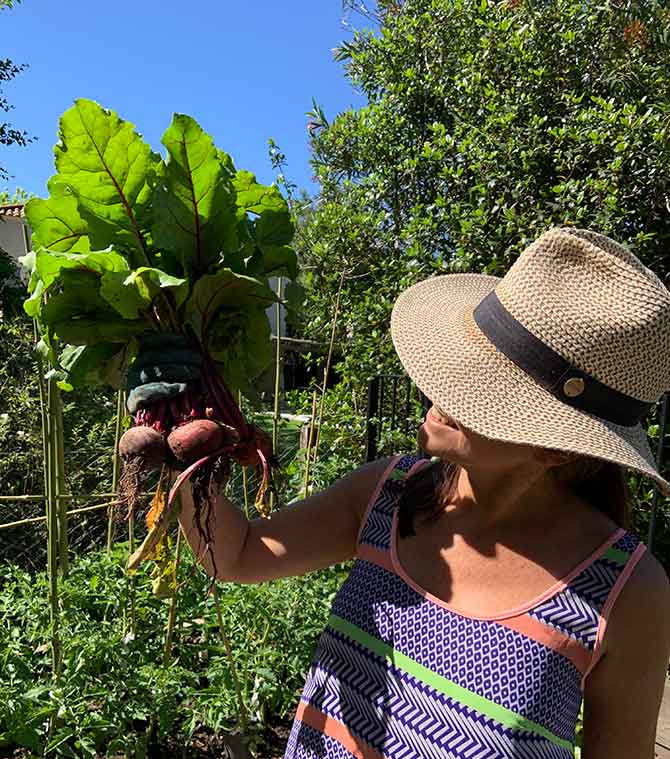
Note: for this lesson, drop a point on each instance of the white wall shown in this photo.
(11, 238)
(272, 311)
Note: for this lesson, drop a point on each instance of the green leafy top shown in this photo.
(128, 242)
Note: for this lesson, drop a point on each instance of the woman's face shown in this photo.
(442, 435)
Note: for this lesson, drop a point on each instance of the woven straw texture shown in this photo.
(588, 298)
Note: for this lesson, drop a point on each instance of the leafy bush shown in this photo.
(114, 694)
(485, 124)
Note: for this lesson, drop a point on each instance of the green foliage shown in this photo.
(128, 243)
(486, 124)
(18, 196)
(114, 695)
(12, 293)
(88, 417)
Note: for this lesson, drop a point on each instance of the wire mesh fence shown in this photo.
(93, 516)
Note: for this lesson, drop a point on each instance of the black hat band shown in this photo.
(564, 381)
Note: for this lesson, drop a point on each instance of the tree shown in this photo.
(9, 135)
(18, 196)
(486, 124)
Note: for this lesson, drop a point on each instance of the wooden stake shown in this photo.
(308, 454)
(245, 478)
(172, 614)
(52, 529)
(116, 464)
(327, 368)
(61, 504)
(276, 418)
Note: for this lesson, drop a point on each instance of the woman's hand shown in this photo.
(623, 692)
(314, 533)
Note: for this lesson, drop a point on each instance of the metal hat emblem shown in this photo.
(573, 387)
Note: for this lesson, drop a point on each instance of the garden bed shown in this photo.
(115, 689)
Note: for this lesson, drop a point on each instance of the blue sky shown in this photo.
(246, 71)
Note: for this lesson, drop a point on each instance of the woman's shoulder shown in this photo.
(363, 480)
(366, 479)
(642, 610)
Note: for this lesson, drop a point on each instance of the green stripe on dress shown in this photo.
(616, 556)
(504, 716)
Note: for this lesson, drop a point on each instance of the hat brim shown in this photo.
(453, 363)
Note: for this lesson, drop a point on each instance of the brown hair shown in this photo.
(600, 483)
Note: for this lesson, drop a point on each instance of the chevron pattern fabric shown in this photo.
(398, 675)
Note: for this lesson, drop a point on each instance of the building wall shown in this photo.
(272, 311)
(12, 240)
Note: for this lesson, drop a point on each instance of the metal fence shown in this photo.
(396, 407)
(394, 410)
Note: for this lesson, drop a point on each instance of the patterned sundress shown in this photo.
(399, 674)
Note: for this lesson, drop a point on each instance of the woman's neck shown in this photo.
(496, 498)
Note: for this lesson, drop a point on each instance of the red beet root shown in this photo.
(143, 444)
(194, 440)
(246, 454)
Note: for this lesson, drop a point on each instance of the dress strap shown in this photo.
(621, 559)
(376, 527)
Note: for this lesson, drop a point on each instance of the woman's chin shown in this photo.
(428, 443)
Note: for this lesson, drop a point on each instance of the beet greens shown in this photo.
(130, 244)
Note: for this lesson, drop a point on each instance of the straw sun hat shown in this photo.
(569, 350)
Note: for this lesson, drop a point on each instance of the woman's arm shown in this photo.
(623, 692)
(314, 533)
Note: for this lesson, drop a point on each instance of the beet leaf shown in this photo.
(194, 203)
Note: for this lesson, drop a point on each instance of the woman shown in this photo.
(495, 583)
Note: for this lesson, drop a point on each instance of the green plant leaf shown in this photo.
(79, 315)
(123, 296)
(109, 168)
(194, 206)
(268, 226)
(46, 267)
(224, 290)
(274, 228)
(240, 342)
(84, 331)
(273, 260)
(294, 299)
(256, 198)
(131, 294)
(55, 222)
(150, 281)
(82, 365)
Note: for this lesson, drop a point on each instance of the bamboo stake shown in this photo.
(276, 417)
(328, 360)
(130, 576)
(21, 498)
(52, 530)
(172, 614)
(308, 455)
(35, 520)
(241, 708)
(245, 477)
(116, 464)
(63, 497)
(44, 415)
(59, 464)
